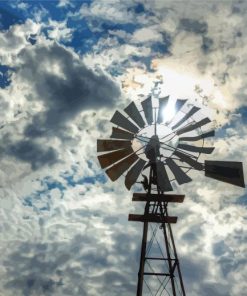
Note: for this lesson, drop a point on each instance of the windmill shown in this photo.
(157, 146)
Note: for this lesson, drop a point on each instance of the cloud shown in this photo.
(33, 153)
(65, 229)
(63, 84)
(64, 3)
(59, 31)
(193, 25)
(145, 35)
(16, 38)
(68, 248)
(111, 11)
(207, 51)
(53, 87)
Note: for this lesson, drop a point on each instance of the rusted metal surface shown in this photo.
(156, 273)
(162, 177)
(192, 111)
(156, 212)
(194, 126)
(142, 259)
(123, 122)
(226, 171)
(158, 197)
(108, 145)
(199, 137)
(134, 173)
(148, 110)
(112, 157)
(183, 157)
(154, 218)
(134, 114)
(152, 150)
(118, 133)
(206, 150)
(118, 169)
(179, 104)
(180, 176)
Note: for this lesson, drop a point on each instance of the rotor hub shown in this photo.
(168, 141)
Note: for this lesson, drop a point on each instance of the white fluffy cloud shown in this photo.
(145, 35)
(15, 39)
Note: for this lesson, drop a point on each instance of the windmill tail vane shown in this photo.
(159, 154)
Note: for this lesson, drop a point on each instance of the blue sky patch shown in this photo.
(129, 27)
(83, 39)
(40, 200)
(243, 112)
(4, 76)
(242, 200)
(139, 8)
(9, 16)
(100, 178)
(32, 39)
(160, 48)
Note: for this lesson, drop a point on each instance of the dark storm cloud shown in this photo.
(194, 26)
(33, 153)
(207, 44)
(48, 269)
(30, 269)
(194, 269)
(64, 84)
(216, 289)
(193, 235)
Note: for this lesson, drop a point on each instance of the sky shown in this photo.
(65, 67)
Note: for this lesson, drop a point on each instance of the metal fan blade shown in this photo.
(179, 104)
(123, 122)
(185, 158)
(199, 137)
(192, 127)
(134, 173)
(206, 150)
(134, 114)
(162, 104)
(148, 109)
(162, 177)
(118, 133)
(192, 111)
(108, 145)
(118, 169)
(226, 171)
(112, 157)
(178, 173)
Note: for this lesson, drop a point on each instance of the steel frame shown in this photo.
(156, 208)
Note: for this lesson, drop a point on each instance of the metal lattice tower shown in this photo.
(159, 271)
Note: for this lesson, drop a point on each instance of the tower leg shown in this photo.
(169, 259)
(176, 257)
(142, 260)
(143, 254)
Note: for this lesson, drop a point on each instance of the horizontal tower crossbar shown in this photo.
(158, 197)
(152, 218)
(158, 258)
(156, 273)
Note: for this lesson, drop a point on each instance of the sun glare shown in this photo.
(181, 82)
(169, 111)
